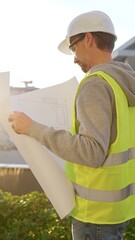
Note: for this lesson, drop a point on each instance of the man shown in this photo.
(100, 151)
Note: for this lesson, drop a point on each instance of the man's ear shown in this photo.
(89, 38)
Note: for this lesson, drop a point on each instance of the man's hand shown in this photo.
(20, 122)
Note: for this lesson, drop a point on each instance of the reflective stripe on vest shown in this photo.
(104, 196)
(107, 194)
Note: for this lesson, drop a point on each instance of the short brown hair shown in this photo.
(104, 41)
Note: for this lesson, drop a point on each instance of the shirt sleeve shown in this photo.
(89, 147)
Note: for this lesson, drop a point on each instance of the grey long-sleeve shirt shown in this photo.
(96, 113)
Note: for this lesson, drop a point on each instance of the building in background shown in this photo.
(126, 53)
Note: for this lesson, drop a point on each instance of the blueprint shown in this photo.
(51, 106)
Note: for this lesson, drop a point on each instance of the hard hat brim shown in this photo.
(64, 47)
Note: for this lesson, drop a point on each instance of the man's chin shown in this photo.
(83, 69)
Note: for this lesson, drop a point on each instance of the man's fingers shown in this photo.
(11, 117)
(20, 122)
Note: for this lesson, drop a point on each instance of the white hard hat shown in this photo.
(94, 21)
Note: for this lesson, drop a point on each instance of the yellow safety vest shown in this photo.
(106, 195)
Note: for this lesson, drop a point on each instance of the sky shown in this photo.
(30, 31)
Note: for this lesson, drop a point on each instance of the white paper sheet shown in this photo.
(51, 106)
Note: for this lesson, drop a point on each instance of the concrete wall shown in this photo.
(18, 181)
